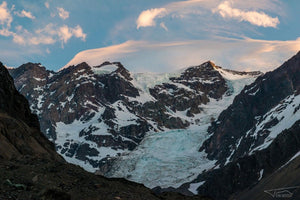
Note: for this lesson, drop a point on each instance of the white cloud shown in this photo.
(47, 5)
(239, 54)
(64, 33)
(146, 18)
(19, 39)
(63, 13)
(78, 32)
(5, 32)
(50, 34)
(48, 29)
(162, 24)
(24, 13)
(177, 9)
(41, 39)
(253, 17)
(185, 9)
(5, 15)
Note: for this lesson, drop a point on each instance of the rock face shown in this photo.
(31, 169)
(256, 139)
(12, 102)
(271, 102)
(96, 113)
(258, 168)
(20, 132)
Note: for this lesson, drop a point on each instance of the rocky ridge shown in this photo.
(93, 114)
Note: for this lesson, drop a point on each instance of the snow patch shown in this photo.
(294, 157)
(287, 116)
(106, 69)
(261, 173)
(194, 186)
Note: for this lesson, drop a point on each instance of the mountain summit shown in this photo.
(95, 114)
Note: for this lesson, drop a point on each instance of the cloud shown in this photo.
(162, 24)
(5, 15)
(41, 39)
(146, 18)
(47, 5)
(97, 56)
(188, 8)
(177, 9)
(63, 13)
(18, 39)
(50, 34)
(253, 17)
(5, 32)
(64, 33)
(240, 54)
(15, 55)
(24, 13)
(78, 32)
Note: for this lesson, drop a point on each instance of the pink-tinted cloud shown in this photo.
(147, 17)
(63, 13)
(240, 54)
(26, 14)
(5, 15)
(256, 18)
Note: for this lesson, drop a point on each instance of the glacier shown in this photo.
(171, 158)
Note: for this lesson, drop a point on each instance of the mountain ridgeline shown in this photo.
(104, 118)
(257, 137)
(94, 114)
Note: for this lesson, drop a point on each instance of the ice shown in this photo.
(106, 69)
(194, 186)
(171, 157)
(144, 81)
(165, 159)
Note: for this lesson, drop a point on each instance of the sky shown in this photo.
(156, 35)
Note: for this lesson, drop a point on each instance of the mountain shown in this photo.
(202, 130)
(97, 114)
(30, 168)
(255, 142)
(257, 115)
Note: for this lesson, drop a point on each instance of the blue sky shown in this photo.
(151, 35)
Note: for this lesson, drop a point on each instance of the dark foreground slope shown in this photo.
(272, 186)
(31, 169)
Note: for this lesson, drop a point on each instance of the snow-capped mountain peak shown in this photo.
(95, 114)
